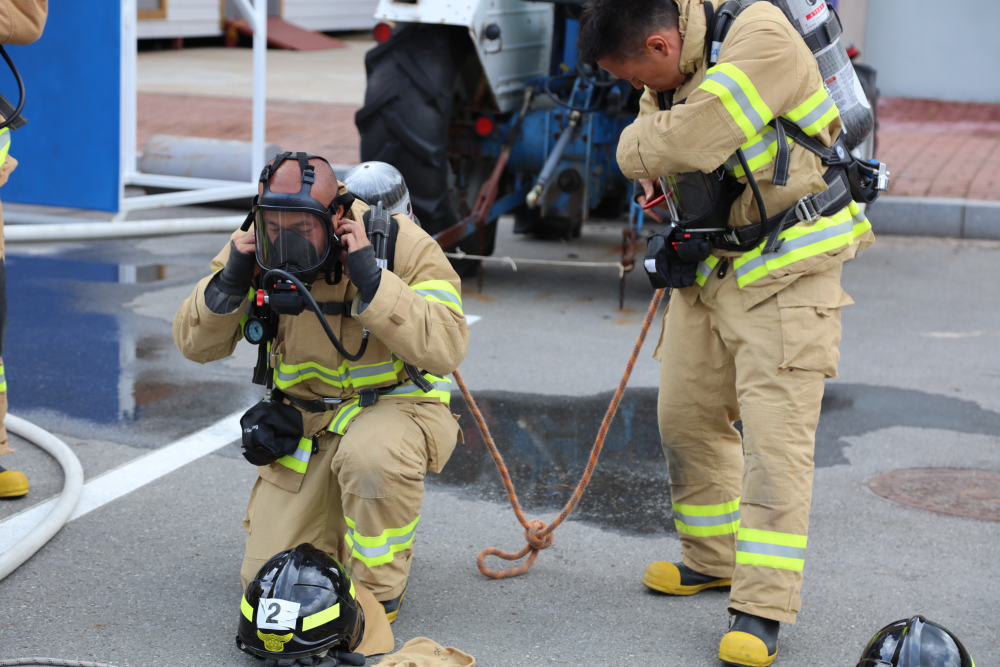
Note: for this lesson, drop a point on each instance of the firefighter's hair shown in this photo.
(619, 28)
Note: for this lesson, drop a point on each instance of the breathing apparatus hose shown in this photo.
(313, 306)
(538, 534)
(595, 105)
(20, 89)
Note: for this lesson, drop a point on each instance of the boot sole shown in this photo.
(684, 590)
(745, 661)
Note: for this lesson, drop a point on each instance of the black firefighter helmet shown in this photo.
(915, 642)
(300, 603)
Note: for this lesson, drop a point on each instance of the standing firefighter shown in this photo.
(753, 328)
(20, 23)
(366, 430)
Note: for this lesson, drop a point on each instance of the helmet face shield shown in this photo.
(296, 241)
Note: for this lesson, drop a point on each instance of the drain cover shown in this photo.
(972, 493)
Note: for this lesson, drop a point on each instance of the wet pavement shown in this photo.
(151, 578)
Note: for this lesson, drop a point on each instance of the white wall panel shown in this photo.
(185, 18)
(331, 14)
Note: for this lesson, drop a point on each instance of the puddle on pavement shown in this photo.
(61, 355)
(546, 441)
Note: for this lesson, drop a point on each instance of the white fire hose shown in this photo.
(11, 559)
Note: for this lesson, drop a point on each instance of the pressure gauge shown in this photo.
(256, 331)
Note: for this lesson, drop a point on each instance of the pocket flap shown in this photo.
(814, 291)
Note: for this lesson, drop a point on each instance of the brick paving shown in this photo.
(933, 149)
(322, 129)
(941, 149)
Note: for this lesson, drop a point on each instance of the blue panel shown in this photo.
(57, 356)
(569, 46)
(68, 153)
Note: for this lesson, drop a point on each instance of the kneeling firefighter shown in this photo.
(744, 141)
(356, 409)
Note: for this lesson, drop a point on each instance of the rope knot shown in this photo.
(535, 535)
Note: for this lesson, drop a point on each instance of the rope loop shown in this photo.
(538, 534)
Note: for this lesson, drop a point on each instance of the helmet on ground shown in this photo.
(374, 181)
(915, 642)
(300, 603)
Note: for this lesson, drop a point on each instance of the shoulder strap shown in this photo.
(722, 21)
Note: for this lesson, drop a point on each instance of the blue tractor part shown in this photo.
(491, 98)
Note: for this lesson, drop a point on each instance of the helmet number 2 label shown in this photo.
(275, 614)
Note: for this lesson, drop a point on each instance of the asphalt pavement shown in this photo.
(152, 578)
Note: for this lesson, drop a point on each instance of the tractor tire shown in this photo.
(408, 108)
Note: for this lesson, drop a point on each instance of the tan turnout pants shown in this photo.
(741, 505)
(360, 496)
(5, 447)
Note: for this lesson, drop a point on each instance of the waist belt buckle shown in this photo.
(730, 237)
(805, 210)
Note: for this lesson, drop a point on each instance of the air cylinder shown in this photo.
(821, 29)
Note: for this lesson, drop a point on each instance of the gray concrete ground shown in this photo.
(152, 578)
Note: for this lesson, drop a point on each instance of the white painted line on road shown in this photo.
(472, 319)
(127, 478)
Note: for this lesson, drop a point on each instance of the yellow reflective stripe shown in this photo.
(815, 113)
(4, 144)
(379, 550)
(246, 609)
(439, 291)
(801, 242)
(353, 595)
(243, 322)
(759, 152)
(707, 520)
(708, 510)
(346, 414)
(3, 379)
(765, 548)
(320, 617)
(286, 375)
(705, 269)
(299, 459)
(739, 96)
(441, 389)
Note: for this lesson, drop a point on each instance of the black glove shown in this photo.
(237, 275)
(365, 272)
(664, 265)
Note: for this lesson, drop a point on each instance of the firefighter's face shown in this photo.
(656, 66)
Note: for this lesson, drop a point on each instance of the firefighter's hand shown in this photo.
(649, 186)
(352, 234)
(245, 243)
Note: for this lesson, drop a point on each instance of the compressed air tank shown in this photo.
(820, 26)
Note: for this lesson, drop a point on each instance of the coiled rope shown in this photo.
(538, 534)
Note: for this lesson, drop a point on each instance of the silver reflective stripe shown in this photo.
(740, 97)
(760, 144)
(346, 413)
(720, 520)
(440, 385)
(369, 371)
(375, 552)
(302, 454)
(289, 376)
(765, 549)
(704, 270)
(791, 245)
(816, 113)
(3, 376)
(440, 294)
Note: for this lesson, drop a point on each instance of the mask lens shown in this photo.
(294, 241)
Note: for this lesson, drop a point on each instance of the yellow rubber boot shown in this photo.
(751, 642)
(392, 606)
(679, 579)
(13, 484)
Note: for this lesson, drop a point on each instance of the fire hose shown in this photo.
(538, 534)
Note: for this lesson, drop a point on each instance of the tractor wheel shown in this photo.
(412, 83)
